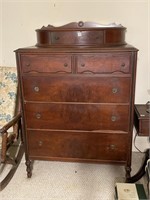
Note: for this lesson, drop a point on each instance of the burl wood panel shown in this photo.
(83, 145)
(82, 89)
(77, 116)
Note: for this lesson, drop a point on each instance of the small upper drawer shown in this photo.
(104, 63)
(46, 63)
(77, 37)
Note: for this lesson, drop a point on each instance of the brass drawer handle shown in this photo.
(36, 89)
(82, 65)
(27, 64)
(123, 65)
(111, 147)
(114, 90)
(65, 65)
(113, 118)
(38, 115)
(40, 143)
(57, 38)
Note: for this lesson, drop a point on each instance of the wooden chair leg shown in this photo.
(4, 147)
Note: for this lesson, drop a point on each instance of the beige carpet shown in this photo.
(67, 181)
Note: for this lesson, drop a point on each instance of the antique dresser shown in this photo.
(77, 94)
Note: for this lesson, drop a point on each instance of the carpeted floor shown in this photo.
(68, 181)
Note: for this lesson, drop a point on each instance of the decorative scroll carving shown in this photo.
(82, 24)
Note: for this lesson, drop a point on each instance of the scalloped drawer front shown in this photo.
(104, 63)
(40, 63)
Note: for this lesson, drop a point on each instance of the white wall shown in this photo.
(19, 19)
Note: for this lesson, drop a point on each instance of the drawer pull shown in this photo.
(80, 24)
(123, 65)
(82, 65)
(38, 115)
(111, 147)
(40, 143)
(57, 38)
(114, 90)
(113, 118)
(27, 64)
(65, 65)
(36, 89)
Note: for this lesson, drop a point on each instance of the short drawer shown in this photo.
(77, 37)
(46, 63)
(77, 145)
(104, 63)
(71, 116)
(77, 89)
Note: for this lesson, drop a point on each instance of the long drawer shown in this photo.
(77, 116)
(77, 89)
(77, 145)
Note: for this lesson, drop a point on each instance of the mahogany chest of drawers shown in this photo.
(77, 95)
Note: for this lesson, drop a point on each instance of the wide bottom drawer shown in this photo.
(61, 145)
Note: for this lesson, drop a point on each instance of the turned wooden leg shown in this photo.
(128, 172)
(29, 168)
